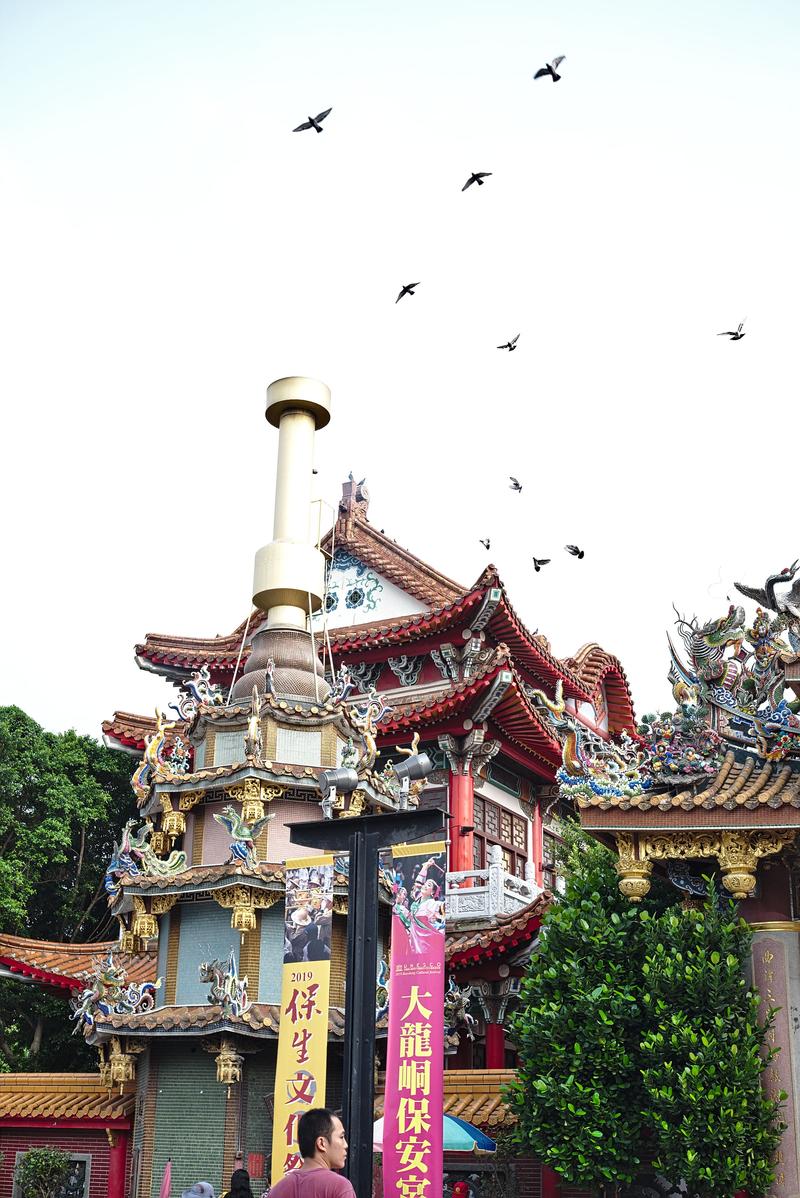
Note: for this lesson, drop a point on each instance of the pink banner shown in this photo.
(412, 1116)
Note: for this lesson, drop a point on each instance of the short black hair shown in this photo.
(310, 1126)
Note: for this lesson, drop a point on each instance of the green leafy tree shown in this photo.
(705, 1053)
(63, 801)
(579, 1096)
(41, 1171)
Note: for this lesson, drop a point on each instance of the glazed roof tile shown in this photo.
(67, 965)
(202, 875)
(62, 1096)
(507, 932)
(475, 1095)
(260, 1018)
(741, 782)
(269, 876)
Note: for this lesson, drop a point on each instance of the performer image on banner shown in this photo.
(412, 1124)
(422, 914)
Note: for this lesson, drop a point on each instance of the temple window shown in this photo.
(495, 825)
(551, 874)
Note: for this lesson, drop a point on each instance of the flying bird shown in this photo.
(551, 69)
(516, 485)
(538, 562)
(313, 122)
(734, 336)
(510, 345)
(575, 551)
(476, 177)
(408, 289)
(487, 544)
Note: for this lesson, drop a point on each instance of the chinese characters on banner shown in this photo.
(303, 1031)
(412, 1119)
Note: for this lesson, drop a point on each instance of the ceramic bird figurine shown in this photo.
(243, 836)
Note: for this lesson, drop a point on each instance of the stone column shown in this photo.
(776, 976)
(463, 754)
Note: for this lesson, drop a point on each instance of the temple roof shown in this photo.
(507, 932)
(354, 532)
(66, 966)
(63, 1097)
(261, 1019)
(473, 1094)
(742, 781)
(494, 694)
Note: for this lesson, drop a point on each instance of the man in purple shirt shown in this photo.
(323, 1147)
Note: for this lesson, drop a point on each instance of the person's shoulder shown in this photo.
(284, 1186)
(339, 1186)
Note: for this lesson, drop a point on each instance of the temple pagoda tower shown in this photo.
(200, 874)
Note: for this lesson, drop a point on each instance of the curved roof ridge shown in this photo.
(407, 571)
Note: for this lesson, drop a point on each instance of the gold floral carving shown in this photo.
(737, 852)
(250, 788)
(340, 904)
(189, 799)
(266, 898)
(160, 904)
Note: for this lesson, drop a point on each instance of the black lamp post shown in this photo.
(363, 837)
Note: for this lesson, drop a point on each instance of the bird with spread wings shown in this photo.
(786, 605)
(243, 836)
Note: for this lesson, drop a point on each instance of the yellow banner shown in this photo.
(303, 1032)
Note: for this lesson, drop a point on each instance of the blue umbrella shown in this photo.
(458, 1136)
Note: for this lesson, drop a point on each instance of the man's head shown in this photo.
(321, 1138)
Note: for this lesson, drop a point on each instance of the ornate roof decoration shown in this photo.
(733, 743)
(110, 992)
(228, 991)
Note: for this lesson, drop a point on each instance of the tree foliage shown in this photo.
(705, 1053)
(41, 1171)
(636, 1030)
(579, 1093)
(63, 800)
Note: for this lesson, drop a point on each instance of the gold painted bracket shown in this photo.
(737, 853)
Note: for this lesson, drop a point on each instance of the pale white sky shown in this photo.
(169, 247)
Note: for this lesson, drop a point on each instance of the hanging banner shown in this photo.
(412, 1116)
(303, 1030)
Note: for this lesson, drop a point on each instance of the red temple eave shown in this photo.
(494, 695)
(43, 976)
(482, 952)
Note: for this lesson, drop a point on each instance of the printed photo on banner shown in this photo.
(309, 914)
(417, 888)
